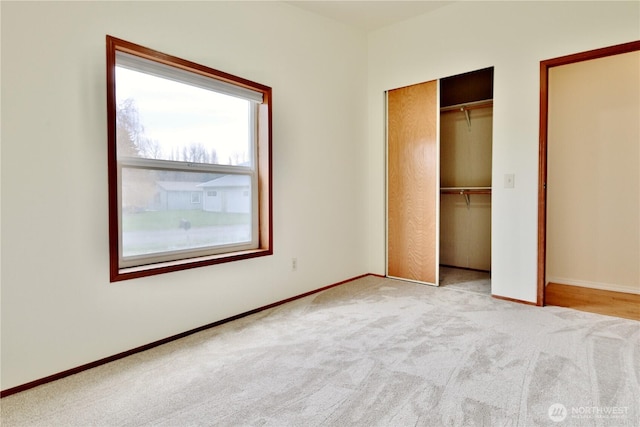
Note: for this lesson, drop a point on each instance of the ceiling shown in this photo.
(369, 15)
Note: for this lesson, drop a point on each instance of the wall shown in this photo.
(59, 310)
(593, 174)
(514, 37)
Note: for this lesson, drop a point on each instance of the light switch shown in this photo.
(509, 180)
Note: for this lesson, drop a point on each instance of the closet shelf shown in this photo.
(468, 106)
(465, 108)
(465, 190)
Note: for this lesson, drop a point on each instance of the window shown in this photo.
(180, 135)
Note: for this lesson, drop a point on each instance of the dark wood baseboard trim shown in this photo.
(85, 367)
(610, 303)
(465, 268)
(519, 301)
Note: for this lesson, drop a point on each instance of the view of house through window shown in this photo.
(165, 211)
(186, 148)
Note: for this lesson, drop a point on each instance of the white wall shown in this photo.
(59, 310)
(513, 37)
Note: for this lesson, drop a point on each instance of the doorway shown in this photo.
(589, 184)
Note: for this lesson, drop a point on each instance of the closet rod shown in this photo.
(488, 187)
(468, 106)
(465, 191)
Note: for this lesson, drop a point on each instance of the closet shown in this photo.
(439, 144)
(466, 127)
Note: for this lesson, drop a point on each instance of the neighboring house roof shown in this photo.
(228, 181)
(179, 185)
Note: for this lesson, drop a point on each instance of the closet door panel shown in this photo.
(412, 168)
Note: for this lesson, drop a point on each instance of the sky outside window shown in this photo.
(180, 117)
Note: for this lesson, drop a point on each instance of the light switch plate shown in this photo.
(509, 180)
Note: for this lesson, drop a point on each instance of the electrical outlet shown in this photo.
(294, 264)
(509, 180)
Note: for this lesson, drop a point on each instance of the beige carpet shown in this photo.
(372, 352)
(466, 280)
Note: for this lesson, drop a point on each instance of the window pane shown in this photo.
(173, 211)
(159, 118)
(183, 167)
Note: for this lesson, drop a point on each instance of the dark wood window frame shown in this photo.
(263, 165)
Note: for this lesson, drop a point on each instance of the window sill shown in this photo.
(121, 274)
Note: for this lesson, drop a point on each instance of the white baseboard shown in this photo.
(593, 285)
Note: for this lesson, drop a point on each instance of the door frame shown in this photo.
(543, 143)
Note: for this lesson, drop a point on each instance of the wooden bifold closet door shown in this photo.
(413, 182)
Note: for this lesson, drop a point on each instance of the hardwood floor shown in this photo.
(594, 300)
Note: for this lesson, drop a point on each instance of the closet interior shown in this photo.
(466, 125)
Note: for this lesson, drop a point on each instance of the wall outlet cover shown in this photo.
(509, 180)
